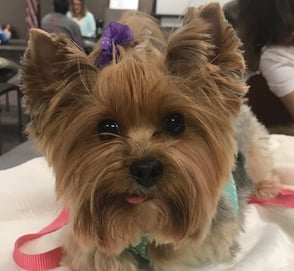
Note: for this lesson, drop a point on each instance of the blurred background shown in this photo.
(260, 24)
(21, 15)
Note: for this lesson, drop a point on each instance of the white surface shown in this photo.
(177, 7)
(123, 4)
(171, 22)
(27, 204)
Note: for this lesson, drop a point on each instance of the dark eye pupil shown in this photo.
(108, 129)
(175, 123)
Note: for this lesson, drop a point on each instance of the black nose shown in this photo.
(146, 172)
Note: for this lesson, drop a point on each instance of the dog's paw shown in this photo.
(269, 188)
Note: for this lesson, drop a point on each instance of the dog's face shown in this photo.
(144, 145)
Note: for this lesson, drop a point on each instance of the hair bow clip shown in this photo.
(115, 34)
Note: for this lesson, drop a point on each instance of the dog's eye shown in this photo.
(108, 129)
(174, 123)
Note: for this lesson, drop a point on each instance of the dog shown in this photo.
(153, 149)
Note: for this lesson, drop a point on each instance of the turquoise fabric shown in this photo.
(140, 250)
(231, 191)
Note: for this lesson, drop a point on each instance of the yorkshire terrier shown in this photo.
(153, 151)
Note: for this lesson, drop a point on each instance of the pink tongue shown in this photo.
(135, 199)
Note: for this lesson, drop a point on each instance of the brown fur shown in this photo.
(197, 72)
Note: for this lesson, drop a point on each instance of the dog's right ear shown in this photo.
(55, 74)
(205, 40)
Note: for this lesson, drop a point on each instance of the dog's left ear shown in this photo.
(50, 64)
(56, 74)
(205, 38)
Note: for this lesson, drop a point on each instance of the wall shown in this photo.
(168, 7)
(13, 11)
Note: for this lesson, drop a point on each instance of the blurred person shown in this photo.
(230, 10)
(266, 28)
(5, 33)
(84, 18)
(58, 22)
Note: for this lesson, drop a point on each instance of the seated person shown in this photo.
(230, 10)
(268, 108)
(5, 34)
(58, 22)
(267, 34)
(277, 66)
(84, 18)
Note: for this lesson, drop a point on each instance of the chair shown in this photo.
(267, 107)
(8, 69)
(6, 88)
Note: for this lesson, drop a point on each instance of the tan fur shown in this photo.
(197, 72)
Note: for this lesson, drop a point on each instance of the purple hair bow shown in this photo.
(115, 34)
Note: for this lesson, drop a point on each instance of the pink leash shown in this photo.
(43, 261)
(284, 199)
(51, 259)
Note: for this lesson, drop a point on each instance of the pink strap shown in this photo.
(285, 198)
(51, 259)
(43, 261)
